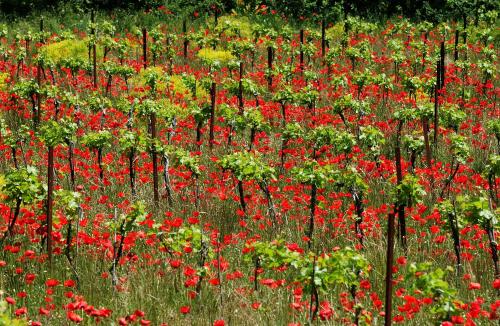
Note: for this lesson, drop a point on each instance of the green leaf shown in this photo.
(23, 184)
(97, 139)
(247, 166)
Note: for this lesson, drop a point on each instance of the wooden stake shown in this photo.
(145, 47)
(213, 91)
(50, 190)
(443, 68)
(301, 57)
(270, 66)
(186, 41)
(240, 89)
(94, 55)
(388, 270)
(323, 37)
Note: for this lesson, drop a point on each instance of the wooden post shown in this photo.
(424, 53)
(301, 57)
(50, 190)
(94, 59)
(152, 118)
(388, 270)
(425, 129)
(270, 66)
(312, 214)
(323, 37)
(145, 47)
(436, 101)
(186, 41)
(213, 91)
(154, 157)
(443, 68)
(170, 58)
(216, 16)
(455, 57)
(41, 28)
(399, 175)
(464, 36)
(39, 79)
(240, 89)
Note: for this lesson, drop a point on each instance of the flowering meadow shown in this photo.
(243, 170)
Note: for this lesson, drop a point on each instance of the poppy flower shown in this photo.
(74, 317)
(43, 311)
(474, 286)
(185, 310)
(214, 281)
(325, 312)
(29, 278)
(365, 284)
(457, 320)
(51, 282)
(193, 220)
(21, 311)
(398, 318)
(69, 283)
(256, 305)
(496, 284)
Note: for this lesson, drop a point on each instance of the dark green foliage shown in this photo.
(23, 6)
(299, 10)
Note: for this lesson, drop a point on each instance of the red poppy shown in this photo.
(29, 278)
(474, 286)
(69, 283)
(43, 311)
(496, 283)
(325, 312)
(21, 311)
(74, 317)
(51, 282)
(256, 305)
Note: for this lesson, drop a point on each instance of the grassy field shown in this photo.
(243, 171)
